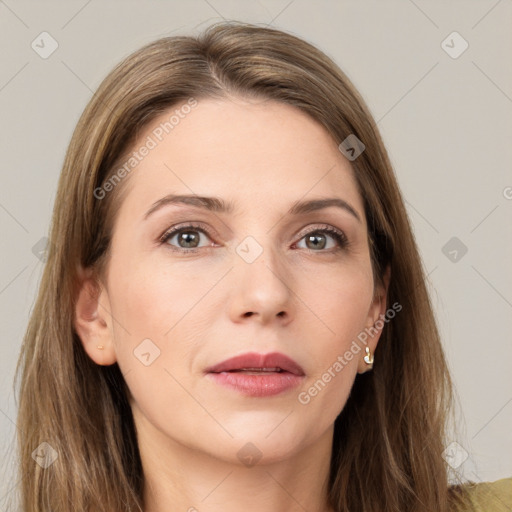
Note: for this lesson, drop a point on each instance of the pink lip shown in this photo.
(288, 373)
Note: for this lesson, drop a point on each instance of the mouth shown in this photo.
(256, 371)
(259, 363)
(258, 375)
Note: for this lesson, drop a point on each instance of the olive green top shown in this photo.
(491, 496)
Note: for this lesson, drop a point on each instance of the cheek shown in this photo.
(340, 302)
(155, 325)
(168, 305)
(338, 299)
(152, 299)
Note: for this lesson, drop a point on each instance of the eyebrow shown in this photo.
(218, 205)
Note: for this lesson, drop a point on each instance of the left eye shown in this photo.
(316, 238)
(186, 234)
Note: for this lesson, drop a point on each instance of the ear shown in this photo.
(377, 311)
(92, 320)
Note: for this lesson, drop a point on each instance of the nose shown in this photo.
(261, 290)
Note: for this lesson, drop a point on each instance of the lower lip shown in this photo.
(258, 385)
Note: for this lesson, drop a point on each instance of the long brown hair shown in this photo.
(388, 440)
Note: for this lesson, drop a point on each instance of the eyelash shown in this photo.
(338, 236)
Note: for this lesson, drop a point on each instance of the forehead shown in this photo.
(247, 151)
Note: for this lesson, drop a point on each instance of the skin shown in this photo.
(262, 155)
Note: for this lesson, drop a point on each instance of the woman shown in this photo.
(233, 312)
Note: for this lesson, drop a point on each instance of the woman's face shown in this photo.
(256, 279)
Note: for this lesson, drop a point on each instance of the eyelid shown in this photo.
(321, 227)
(183, 226)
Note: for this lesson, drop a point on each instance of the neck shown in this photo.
(184, 479)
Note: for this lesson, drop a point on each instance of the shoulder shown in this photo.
(489, 496)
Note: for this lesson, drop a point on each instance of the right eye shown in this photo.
(188, 237)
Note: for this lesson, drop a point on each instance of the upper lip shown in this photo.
(253, 360)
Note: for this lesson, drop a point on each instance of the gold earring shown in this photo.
(368, 358)
(100, 347)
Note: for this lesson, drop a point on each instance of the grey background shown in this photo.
(446, 122)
